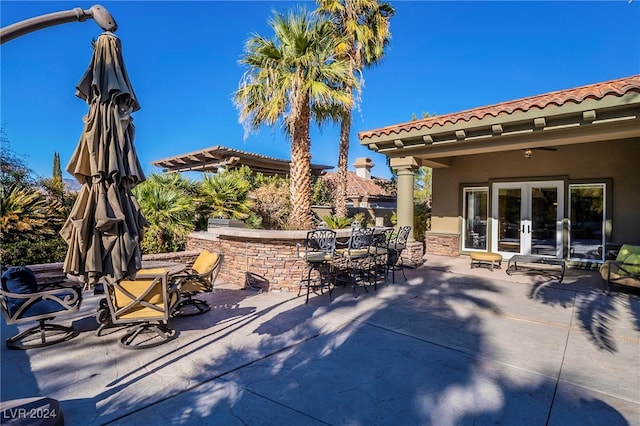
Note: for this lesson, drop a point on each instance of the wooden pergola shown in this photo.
(216, 157)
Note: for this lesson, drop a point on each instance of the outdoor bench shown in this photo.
(479, 258)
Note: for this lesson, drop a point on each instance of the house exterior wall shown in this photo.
(615, 161)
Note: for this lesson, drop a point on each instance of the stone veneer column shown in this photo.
(405, 168)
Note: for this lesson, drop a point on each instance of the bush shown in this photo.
(272, 204)
(25, 252)
(421, 221)
(335, 222)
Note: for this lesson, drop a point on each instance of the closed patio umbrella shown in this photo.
(106, 225)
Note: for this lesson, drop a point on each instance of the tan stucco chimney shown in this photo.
(363, 167)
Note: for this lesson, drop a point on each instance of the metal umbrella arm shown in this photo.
(97, 12)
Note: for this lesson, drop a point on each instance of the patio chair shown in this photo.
(318, 254)
(379, 252)
(624, 271)
(23, 300)
(143, 306)
(397, 244)
(356, 258)
(195, 280)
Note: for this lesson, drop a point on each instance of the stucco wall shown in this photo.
(617, 160)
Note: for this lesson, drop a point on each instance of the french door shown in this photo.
(527, 218)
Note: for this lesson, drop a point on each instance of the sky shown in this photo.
(182, 58)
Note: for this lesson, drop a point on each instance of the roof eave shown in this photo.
(515, 130)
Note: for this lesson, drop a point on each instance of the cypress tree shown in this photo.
(57, 171)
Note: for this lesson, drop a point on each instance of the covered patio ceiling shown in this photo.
(594, 113)
(216, 157)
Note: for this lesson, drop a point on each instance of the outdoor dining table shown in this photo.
(173, 267)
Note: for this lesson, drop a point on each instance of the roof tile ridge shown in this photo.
(627, 84)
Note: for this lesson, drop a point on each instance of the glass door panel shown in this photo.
(475, 218)
(544, 221)
(586, 236)
(510, 218)
(527, 218)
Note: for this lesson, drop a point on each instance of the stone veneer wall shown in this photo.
(275, 260)
(272, 258)
(443, 244)
(413, 254)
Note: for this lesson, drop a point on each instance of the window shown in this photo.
(475, 204)
(586, 226)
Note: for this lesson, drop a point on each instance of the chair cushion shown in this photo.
(617, 271)
(633, 259)
(395, 246)
(205, 262)
(631, 255)
(486, 256)
(315, 256)
(155, 297)
(19, 280)
(354, 253)
(625, 251)
(378, 251)
(192, 286)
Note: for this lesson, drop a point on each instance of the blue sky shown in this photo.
(182, 59)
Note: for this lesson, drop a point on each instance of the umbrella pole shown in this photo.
(98, 13)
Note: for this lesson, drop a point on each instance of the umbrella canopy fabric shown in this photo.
(106, 225)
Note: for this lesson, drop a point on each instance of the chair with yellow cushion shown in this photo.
(144, 306)
(195, 280)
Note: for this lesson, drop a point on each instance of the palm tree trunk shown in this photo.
(340, 200)
(300, 170)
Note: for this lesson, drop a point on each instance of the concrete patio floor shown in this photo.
(450, 346)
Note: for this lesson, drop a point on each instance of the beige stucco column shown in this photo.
(404, 168)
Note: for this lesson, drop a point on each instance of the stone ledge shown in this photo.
(259, 234)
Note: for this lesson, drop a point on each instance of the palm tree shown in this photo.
(170, 213)
(289, 78)
(27, 214)
(227, 195)
(364, 27)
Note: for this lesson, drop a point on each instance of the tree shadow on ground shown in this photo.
(417, 352)
(414, 355)
(598, 312)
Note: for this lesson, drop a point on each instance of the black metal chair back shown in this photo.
(379, 252)
(397, 244)
(321, 240)
(319, 250)
(402, 236)
(381, 238)
(361, 238)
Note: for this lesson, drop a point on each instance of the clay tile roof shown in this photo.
(576, 95)
(357, 186)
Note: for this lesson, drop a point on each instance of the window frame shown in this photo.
(471, 189)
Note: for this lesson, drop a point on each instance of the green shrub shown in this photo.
(421, 220)
(25, 252)
(335, 222)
